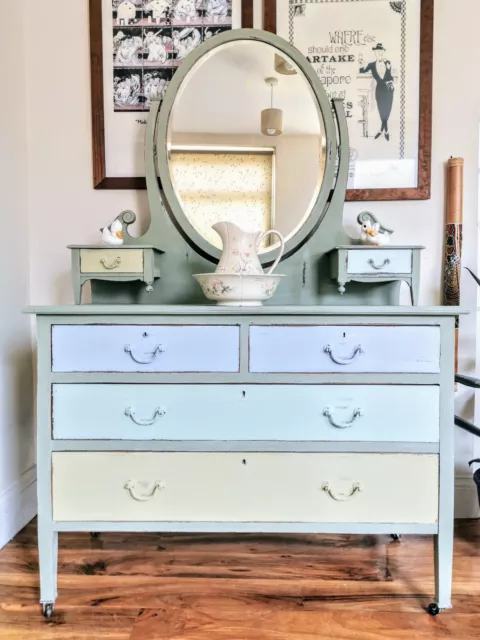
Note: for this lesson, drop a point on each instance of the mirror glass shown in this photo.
(246, 142)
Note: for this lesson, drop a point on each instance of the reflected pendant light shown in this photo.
(272, 119)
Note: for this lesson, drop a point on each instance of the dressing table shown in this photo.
(316, 412)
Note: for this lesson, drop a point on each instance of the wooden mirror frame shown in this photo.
(324, 107)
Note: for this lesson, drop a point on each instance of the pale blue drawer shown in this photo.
(371, 413)
(145, 349)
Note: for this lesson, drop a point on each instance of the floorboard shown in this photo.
(240, 587)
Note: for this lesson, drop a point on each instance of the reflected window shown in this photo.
(217, 184)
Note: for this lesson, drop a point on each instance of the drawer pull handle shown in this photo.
(386, 262)
(113, 265)
(338, 360)
(329, 413)
(149, 358)
(341, 497)
(145, 422)
(130, 487)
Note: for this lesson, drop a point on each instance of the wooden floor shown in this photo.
(240, 587)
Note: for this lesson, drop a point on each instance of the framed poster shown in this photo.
(135, 48)
(377, 56)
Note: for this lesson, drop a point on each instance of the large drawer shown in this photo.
(129, 348)
(344, 349)
(371, 413)
(245, 487)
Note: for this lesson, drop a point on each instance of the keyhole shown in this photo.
(344, 335)
(145, 335)
(244, 461)
(244, 394)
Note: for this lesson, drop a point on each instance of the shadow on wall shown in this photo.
(18, 412)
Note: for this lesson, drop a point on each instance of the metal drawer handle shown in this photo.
(386, 262)
(148, 360)
(146, 422)
(328, 413)
(341, 497)
(338, 360)
(116, 263)
(130, 487)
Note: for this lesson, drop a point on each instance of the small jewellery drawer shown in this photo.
(344, 349)
(111, 260)
(379, 261)
(125, 348)
(245, 487)
(370, 413)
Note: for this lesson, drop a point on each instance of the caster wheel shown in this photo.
(149, 288)
(395, 536)
(433, 609)
(48, 609)
(94, 535)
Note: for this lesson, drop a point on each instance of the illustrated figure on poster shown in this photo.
(127, 51)
(126, 13)
(154, 88)
(185, 10)
(216, 10)
(381, 71)
(185, 41)
(208, 33)
(159, 9)
(156, 47)
(127, 90)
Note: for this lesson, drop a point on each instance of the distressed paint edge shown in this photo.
(249, 527)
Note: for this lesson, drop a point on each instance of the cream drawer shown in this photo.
(245, 487)
(125, 348)
(379, 261)
(371, 413)
(111, 261)
(344, 349)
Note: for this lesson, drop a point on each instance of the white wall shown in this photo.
(65, 209)
(17, 472)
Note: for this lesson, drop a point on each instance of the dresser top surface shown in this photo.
(214, 310)
(106, 246)
(388, 247)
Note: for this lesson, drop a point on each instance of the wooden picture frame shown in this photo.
(422, 190)
(100, 178)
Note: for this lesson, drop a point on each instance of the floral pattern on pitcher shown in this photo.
(245, 263)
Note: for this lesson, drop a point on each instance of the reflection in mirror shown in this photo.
(246, 141)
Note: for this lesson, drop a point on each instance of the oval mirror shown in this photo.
(245, 142)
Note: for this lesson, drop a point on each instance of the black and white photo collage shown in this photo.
(151, 38)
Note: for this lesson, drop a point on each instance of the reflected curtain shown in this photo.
(215, 186)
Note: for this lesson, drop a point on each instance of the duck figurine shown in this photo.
(371, 231)
(112, 235)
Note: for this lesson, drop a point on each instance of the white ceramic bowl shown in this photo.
(236, 290)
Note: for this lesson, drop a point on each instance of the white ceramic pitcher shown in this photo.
(240, 249)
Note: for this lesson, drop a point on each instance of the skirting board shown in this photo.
(18, 505)
(466, 498)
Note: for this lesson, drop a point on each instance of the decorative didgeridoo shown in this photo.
(453, 240)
